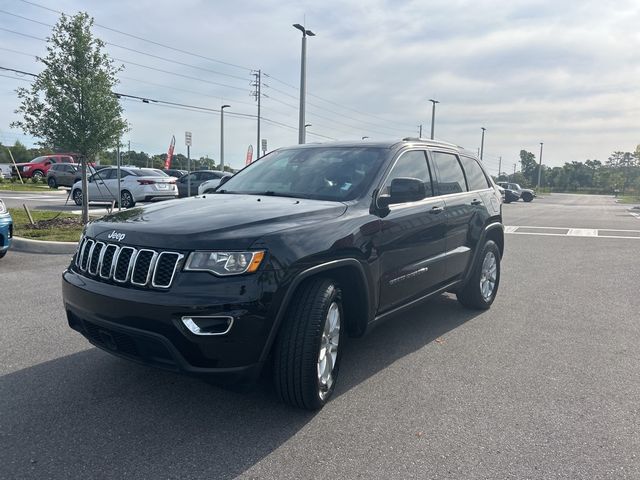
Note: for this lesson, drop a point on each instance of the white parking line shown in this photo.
(637, 215)
(582, 232)
(572, 232)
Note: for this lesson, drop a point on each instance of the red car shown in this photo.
(38, 167)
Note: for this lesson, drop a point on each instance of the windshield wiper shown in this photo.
(271, 193)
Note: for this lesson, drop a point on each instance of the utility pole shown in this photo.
(499, 167)
(540, 166)
(119, 177)
(482, 143)
(303, 80)
(433, 116)
(258, 95)
(222, 136)
(420, 131)
(514, 172)
(85, 190)
(187, 142)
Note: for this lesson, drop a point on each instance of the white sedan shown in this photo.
(136, 185)
(210, 185)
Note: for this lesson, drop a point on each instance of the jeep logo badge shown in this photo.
(117, 236)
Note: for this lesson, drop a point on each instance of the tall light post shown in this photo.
(222, 136)
(433, 116)
(303, 80)
(540, 167)
(482, 143)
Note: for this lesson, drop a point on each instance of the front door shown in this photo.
(410, 243)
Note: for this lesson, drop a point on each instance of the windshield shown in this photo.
(38, 160)
(321, 173)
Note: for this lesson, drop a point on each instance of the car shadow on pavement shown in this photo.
(90, 415)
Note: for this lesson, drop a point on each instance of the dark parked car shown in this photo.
(63, 175)
(508, 195)
(196, 178)
(300, 248)
(172, 172)
(525, 194)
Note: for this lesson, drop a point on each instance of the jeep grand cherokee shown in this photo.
(290, 254)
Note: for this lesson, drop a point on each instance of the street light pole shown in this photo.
(303, 80)
(222, 136)
(482, 144)
(433, 116)
(540, 167)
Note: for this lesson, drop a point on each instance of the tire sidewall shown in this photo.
(52, 182)
(489, 246)
(77, 197)
(126, 199)
(334, 296)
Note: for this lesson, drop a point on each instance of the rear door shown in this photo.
(411, 242)
(460, 205)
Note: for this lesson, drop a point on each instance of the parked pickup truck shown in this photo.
(38, 167)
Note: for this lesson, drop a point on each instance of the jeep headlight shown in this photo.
(224, 263)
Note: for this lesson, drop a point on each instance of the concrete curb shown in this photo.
(27, 245)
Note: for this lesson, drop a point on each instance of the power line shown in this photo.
(335, 103)
(181, 106)
(153, 42)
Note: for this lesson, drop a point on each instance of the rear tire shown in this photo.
(52, 182)
(481, 288)
(126, 199)
(2, 254)
(308, 349)
(77, 196)
(527, 197)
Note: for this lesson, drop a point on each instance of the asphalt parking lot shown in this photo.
(544, 385)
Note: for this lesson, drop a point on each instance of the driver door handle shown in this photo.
(436, 209)
(476, 202)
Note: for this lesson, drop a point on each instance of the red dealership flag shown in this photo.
(167, 162)
(249, 155)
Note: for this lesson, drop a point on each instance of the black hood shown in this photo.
(213, 221)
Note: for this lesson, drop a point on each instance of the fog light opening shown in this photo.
(208, 325)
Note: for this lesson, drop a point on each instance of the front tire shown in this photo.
(2, 254)
(527, 197)
(308, 350)
(52, 182)
(77, 197)
(482, 286)
(38, 174)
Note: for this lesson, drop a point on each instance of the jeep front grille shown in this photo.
(123, 265)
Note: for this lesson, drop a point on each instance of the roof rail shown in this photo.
(429, 140)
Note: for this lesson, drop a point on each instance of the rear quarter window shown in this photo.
(476, 178)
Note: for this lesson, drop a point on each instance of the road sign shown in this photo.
(264, 144)
(187, 139)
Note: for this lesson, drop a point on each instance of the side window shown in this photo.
(412, 164)
(475, 176)
(450, 175)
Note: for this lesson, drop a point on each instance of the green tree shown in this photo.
(529, 167)
(71, 105)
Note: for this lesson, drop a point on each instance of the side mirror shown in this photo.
(224, 180)
(403, 190)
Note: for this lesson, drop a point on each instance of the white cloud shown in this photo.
(560, 72)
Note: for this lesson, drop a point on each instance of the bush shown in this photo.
(34, 179)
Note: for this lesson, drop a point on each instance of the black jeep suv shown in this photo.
(301, 247)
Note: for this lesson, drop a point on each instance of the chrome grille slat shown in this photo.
(94, 258)
(138, 269)
(111, 257)
(162, 282)
(86, 254)
(125, 265)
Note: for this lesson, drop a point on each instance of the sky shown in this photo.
(565, 73)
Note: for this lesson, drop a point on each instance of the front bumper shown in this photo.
(145, 325)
